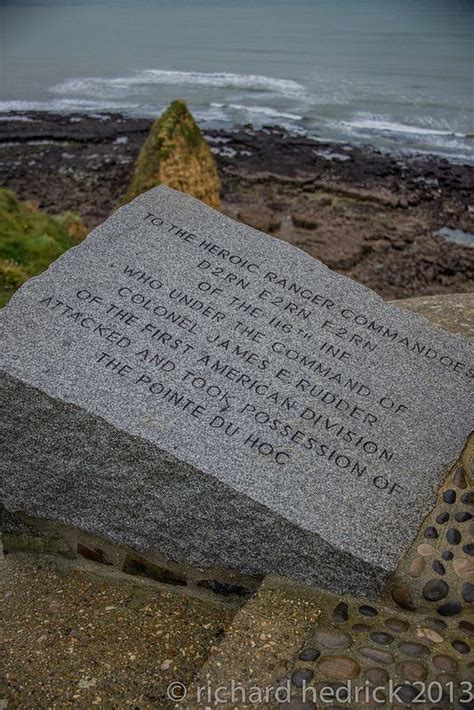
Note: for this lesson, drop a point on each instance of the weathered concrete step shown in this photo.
(76, 640)
(257, 650)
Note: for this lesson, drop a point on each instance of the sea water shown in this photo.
(393, 73)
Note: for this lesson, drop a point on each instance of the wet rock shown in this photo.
(305, 218)
(259, 218)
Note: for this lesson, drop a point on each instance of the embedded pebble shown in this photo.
(301, 676)
(460, 646)
(367, 610)
(376, 654)
(445, 663)
(437, 624)
(442, 518)
(463, 516)
(332, 638)
(378, 676)
(381, 637)
(429, 635)
(453, 536)
(338, 667)
(459, 479)
(466, 627)
(469, 549)
(468, 592)
(341, 613)
(402, 596)
(416, 567)
(431, 533)
(468, 498)
(449, 496)
(309, 654)
(449, 609)
(411, 670)
(398, 625)
(464, 569)
(447, 555)
(426, 550)
(438, 567)
(435, 590)
(410, 648)
(407, 693)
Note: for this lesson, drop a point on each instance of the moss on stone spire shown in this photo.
(175, 154)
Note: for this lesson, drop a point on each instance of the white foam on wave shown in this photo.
(378, 124)
(19, 118)
(110, 85)
(67, 105)
(264, 110)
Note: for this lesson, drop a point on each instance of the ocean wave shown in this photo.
(110, 85)
(65, 105)
(265, 110)
(382, 124)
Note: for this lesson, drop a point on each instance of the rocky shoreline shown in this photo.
(366, 214)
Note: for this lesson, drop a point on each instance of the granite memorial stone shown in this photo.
(184, 383)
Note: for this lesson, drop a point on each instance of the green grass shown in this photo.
(29, 241)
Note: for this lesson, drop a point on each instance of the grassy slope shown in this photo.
(30, 240)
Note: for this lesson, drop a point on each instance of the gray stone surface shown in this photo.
(452, 311)
(184, 383)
